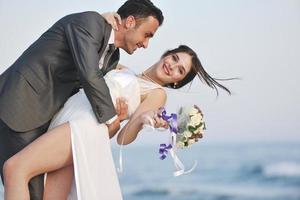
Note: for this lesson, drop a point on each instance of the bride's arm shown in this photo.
(153, 101)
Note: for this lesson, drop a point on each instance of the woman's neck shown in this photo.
(148, 76)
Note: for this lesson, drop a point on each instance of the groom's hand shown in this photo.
(121, 108)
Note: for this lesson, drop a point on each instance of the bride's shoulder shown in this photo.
(158, 93)
(156, 96)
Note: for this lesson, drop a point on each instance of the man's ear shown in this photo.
(130, 22)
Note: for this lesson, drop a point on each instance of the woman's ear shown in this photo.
(130, 22)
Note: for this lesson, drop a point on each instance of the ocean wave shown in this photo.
(213, 192)
(282, 169)
(152, 192)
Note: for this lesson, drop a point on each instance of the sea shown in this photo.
(225, 171)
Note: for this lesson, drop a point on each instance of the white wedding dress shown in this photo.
(94, 169)
(95, 174)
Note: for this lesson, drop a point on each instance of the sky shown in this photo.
(257, 41)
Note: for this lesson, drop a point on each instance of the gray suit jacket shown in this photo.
(65, 58)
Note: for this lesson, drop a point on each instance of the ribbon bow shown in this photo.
(163, 150)
(171, 119)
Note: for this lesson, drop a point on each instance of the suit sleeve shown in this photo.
(84, 48)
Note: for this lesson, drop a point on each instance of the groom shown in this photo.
(77, 51)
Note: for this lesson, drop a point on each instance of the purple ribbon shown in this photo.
(163, 150)
(171, 119)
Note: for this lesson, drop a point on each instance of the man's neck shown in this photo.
(118, 37)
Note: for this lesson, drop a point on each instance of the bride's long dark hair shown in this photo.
(197, 69)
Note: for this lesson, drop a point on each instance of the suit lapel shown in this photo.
(111, 61)
(108, 54)
(105, 42)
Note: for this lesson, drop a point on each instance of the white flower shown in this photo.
(181, 138)
(200, 128)
(180, 144)
(184, 139)
(187, 134)
(195, 120)
(200, 116)
(193, 111)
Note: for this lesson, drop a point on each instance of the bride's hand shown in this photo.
(152, 118)
(113, 19)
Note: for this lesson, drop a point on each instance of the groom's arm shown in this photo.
(85, 36)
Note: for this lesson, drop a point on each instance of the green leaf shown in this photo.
(192, 129)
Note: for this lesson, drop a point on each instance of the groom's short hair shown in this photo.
(140, 9)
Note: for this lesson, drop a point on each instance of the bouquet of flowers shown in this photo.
(186, 127)
(190, 126)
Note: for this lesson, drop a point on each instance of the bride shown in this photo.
(75, 152)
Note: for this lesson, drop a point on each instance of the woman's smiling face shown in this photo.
(173, 68)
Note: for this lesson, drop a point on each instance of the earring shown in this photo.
(174, 85)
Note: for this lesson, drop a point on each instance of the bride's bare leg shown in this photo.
(48, 153)
(58, 183)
